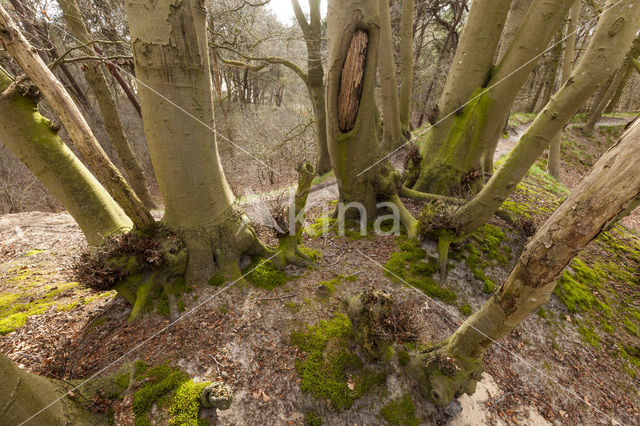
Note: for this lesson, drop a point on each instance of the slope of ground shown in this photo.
(288, 352)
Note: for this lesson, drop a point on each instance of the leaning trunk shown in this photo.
(612, 38)
(98, 83)
(71, 117)
(602, 196)
(35, 400)
(35, 142)
(553, 165)
(471, 144)
(599, 106)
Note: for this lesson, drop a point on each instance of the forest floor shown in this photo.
(577, 361)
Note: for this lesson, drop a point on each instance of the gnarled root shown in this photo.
(443, 376)
(367, 311)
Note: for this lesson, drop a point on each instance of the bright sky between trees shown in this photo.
(284, 11)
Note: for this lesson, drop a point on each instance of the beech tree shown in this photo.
(477, 97)
(454, 365)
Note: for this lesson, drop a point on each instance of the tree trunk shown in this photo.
(39, 33)
(392, 128)
(598, 109)
(312, 32)
(406, 59)
(615, 100)
(77, 128)
(517, 12)
(554, 64)
(553, 165)
(35, 400)
(32, 139)
(534, 101)
(443, 167)
(471, 144)
(113, 70)
(170, 49)
(353, 122)
(612, 38)
(606, 192)
(98, 83)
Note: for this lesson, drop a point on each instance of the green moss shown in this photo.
(320, 226)
(15, 309)
(542, 313)
(331, 285)
(264, 274)
(67, 306)
(122, 382)
(292, 306)
(162, 385)
(34, 252)
(486, 248)
(574, 288)
(403, 357)
(465, 309)
(632, 355)
(589, 336)
(185, 404)
(400, 412)
(313, 419)
(217, 280)
(409, 266)
(330, 363)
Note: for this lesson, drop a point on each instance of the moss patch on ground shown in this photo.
(412, 266)
(264, 274)
(170, 388)
(16, 308)
(400, 412)
(330, 370)
(333, 284)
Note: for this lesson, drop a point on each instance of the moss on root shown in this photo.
(400, 412)
(330, 369)
(412, 266)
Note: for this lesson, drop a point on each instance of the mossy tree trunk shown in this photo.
(35, 142)
(169, 42)
(35, 400)
(612, 38)
(406, 59)
(470, 143)
(445, 158)
(100, 87)
(599, 199)
(76, 126)
(392, 128)
(353, 121)
(533, 36)
(569, 57)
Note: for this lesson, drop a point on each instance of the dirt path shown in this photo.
(506, 144)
